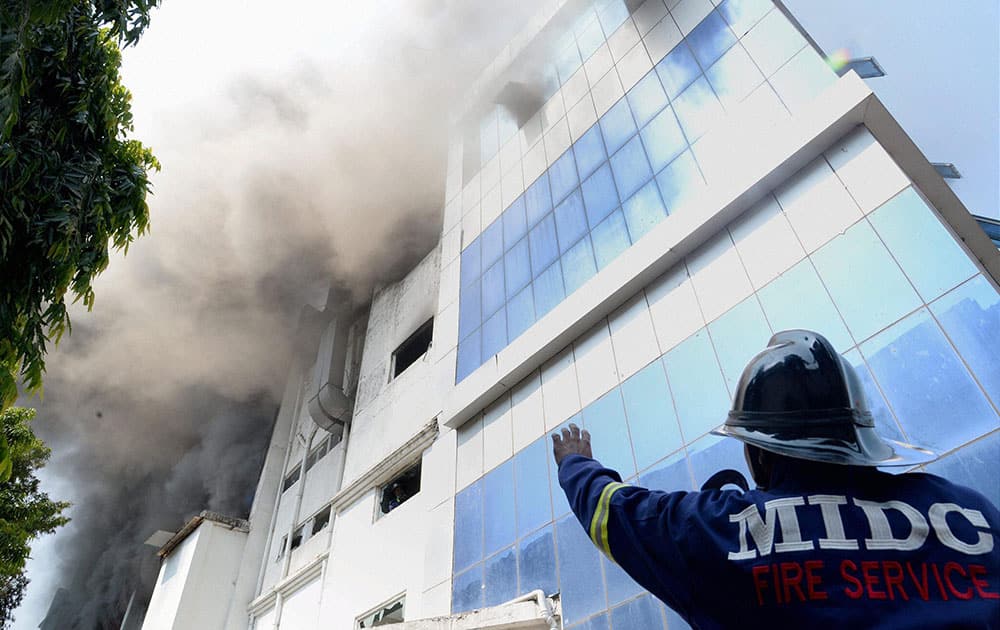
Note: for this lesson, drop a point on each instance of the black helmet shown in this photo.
(801, 399)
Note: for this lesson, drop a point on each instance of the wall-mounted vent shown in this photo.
(329, 405)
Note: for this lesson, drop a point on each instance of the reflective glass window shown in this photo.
(534, 505)
(469, 309)
(489, 140)
(507, 124)
(738, 335)
(471, 266)
(697, 109)
(568, 62)
(710, 39)
(578, 265)
(605, 419)
(743, 14)
(885, 421)
(500, 579)
(537, 200)
(494, 334)
(928, 254)
(643, 612)
(520, 313)
(696, 381)
(646, 98)
(674, 621)
(580, 580)
(677, 70)
(536, 562)
(514, 223)
(797, 299)
(571, 220)
(651, 418)
(549, 290)
(802, 79)
(590, 39)
(517, 267)
(971, 316)
(469, 355)
(560, 506)
(644, 211)
(612, 15)
(712, 453)
(865, 282)
(663, 139)
(773, 41)
(610, 239)
(562, 176)
(468, 526)
(467, 590)
(935, 399)
(620, 585)
(617, 126)
(493, 289)
(734, 76)
(599, 195)
(543, 244)
(598, 622)
(492, 243)
(968, 466)
(669, 475)
(498, 507)
(589, 151)
(630, 167)
(680, 182)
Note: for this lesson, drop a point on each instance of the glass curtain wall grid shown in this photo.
(637, 164)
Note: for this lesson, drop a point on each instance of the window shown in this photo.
(291, 478)
(321, 520)
(317, 453)
(281, 548)
(400, 489)
(413, 348)
(297, 537)
(384, 615)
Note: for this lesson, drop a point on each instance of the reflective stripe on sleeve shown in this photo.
(599, 523)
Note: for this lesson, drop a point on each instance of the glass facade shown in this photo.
(892, 289)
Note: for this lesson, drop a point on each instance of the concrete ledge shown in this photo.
(519, 616)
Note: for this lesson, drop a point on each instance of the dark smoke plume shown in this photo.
(161, 401)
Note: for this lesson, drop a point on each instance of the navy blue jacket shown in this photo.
(825, 546)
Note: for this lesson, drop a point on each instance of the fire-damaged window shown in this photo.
(297, 537)
(413, 348)
(400, 490)
(321, 520)
(281, 548)
(291, 478)
(385, 615)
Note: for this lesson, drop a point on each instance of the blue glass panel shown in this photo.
(471, 267)
(617, 125)
(467, 590)
(612, 15)
(589, 151)
(680, 182)
(580, 579)
(937, 402)
(562, 176)
(468, 526)
(599, 195)
(885, 422)
(677, 70)
(646, 98)
(743, 14)
(549, 290)
(605, 419)
(589, 39)
(651, 417)
(560, 506)
(520, 313)
(700, 395)
(643, 612)
(865, 282)
(797, 299)
(536, 559)
(928, 254)
(578, 265)
(630, 167)
(492, 243)
(598, 622)
(734, 76)
(675, 621)
(469, 309)
(697, 109)
(710, 39)
(544, 246)
(669, 475)
(663, 139)
(534, 505)
(971, 316)
(644, 211)
(514, 223)
(571, 220)
(493, 289)
(610, 239)
(738, 335)
(498, 507)
(495, 334)
(537, 199)
(469, 355)
(975, 466)
(517, 267)
(568, 62)
(500, 581)
(712, 453)
(620, 585)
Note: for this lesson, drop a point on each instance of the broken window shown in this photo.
(384, 615)
(281, 548)
(400, 490)
(413, 348)
(317, 453)
(297, 537)
(321, 520)
(290, 479)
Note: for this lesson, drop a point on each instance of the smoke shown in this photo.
(275, 186)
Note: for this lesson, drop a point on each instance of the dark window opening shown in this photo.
(290, 479)
(413, 348)
(400, 490)
(384, 616)
(321, 520)
(296, 538)
(281, 548)
(317, 453)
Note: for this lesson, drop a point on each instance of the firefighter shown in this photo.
(825, 539)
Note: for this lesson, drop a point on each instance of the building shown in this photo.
(636, 198)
